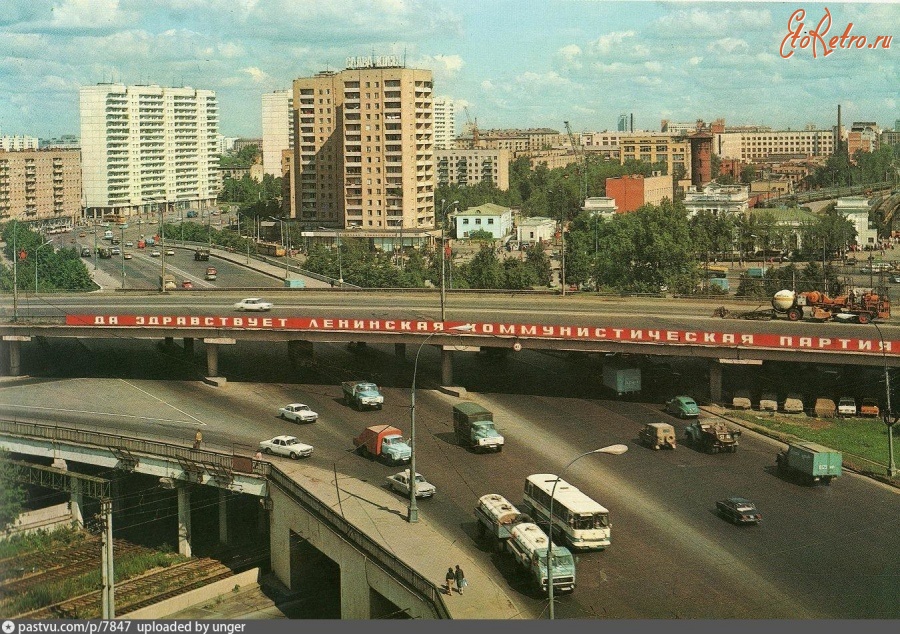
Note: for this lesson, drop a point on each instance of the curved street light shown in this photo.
(413, 513)
(614, 450)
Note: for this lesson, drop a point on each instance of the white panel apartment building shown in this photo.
(444, 123)
(278, 128)
(147, 148)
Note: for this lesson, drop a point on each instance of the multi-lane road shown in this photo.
(819, 552)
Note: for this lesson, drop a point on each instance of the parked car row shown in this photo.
(845, 406)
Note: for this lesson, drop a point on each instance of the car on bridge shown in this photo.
(738, 510)
(129, 243)
(170, 252)
(127, 255)
(683, 407)
(399, 482)
(187, 284)
(253, 304)
(298, 412)
(155, 253)
(286, 446)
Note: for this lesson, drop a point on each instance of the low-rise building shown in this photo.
(494, 219)
(633, 190)
(718, 199)
(535, 229)
(600, 206)
(856, 210)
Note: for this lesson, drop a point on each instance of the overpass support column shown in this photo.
(76, 501)
(13, 343)
(169, 342)
(184, 521)
(446, 366)
(223, 516)
(400, 350)
(212, 353)
(354, 589)
(299, 349)
(715, 381)
(189, 345)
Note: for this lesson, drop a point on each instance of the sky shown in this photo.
(513, 63)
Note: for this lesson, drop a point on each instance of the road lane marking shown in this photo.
(95, 413)
(180, 411)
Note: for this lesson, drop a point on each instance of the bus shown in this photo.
(270, 248)
(583, 522)
(716, 271)
(116, 219)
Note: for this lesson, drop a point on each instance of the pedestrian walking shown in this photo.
(198, 439)
(451, 576)
(460, 579)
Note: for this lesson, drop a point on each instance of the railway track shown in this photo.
(49, 567)
(139, 592)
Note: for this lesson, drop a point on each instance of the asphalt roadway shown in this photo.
(823, 552)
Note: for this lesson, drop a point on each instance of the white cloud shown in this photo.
(728, 45)
(695, 60)
(256, 74)
(449, 65)
(653, 67)
(570, 56)
(611, 41)
(487, 85)
(550, 78)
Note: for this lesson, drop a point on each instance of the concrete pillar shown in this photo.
(715, 381)
(184, 521)
(300, 349)
(76, 501)
(400, 350)
(4, 358)
(446, 366)
(15, 358)
(189, 345)
(212, 359)
(169, 342)
(223, 516)
(354, 589)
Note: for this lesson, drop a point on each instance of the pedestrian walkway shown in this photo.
(382, 516)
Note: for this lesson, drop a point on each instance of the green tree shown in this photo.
(12, 493)
(485, 270)
(518, 275)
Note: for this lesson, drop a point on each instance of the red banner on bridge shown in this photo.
(649, 336)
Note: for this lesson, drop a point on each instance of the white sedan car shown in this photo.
(399, 482)
(298, 412)
(286, 446)
(253, 303)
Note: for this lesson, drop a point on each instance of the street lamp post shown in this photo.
(413, 513)
(614, 450)
(122, 241)
(443, 221)
(888, 418)
(36, 251)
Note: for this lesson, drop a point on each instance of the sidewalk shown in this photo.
(382, 516)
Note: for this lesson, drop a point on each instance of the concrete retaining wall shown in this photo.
(201, 595)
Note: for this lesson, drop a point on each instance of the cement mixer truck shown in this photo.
(857, 306)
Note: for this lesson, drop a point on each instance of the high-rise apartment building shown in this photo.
(146, 148)
(444, 123)
(278, 128)
(364, 147)
(17, 142)
(41, 186)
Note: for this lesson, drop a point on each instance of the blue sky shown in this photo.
(523, 63)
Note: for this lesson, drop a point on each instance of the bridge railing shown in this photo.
(375, 551)
(241, 462)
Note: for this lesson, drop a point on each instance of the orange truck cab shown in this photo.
(383, 442)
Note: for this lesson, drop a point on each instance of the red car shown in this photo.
(187, 284)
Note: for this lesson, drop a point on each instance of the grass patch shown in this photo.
(40, 541)
(863, 437)
(127, 566)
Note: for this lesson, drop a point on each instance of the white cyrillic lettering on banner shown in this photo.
(507, 329)
(374, 324)
(617, 333)
(238, 322)
(654, 335)
(583, 332)
(267, 322)
(314, 324)
(728, 337)
(845, 343)
(343, 324)
(864, 345)
(565, 331)
(747, 340)
(487, 329)
(673, 335)
(195, 321)
(548, 331)
(154, 321)
(709, 337)
(423, 326)
(328, 323)
(824, 342)
(636, 335)
(390, 324)
(529, 330)
(252, 322)
(166, 321)
(786, 342)
(690, 337)
(359, 324)
(804, 342)
(209, 321)
(600, 333)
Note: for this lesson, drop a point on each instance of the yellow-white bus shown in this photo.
(580, 520)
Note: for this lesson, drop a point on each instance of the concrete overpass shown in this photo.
(345, 536)
(720, 341)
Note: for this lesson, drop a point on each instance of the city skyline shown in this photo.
(514, 64)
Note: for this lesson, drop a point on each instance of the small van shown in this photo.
(657, 435)
(211, 273)
(793, 404)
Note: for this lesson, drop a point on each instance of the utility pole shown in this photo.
(15, 273)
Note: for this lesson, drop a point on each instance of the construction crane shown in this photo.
(473, 126)
(582, 163)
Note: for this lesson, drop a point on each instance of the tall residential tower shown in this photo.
(364, 147)
(147, 148)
